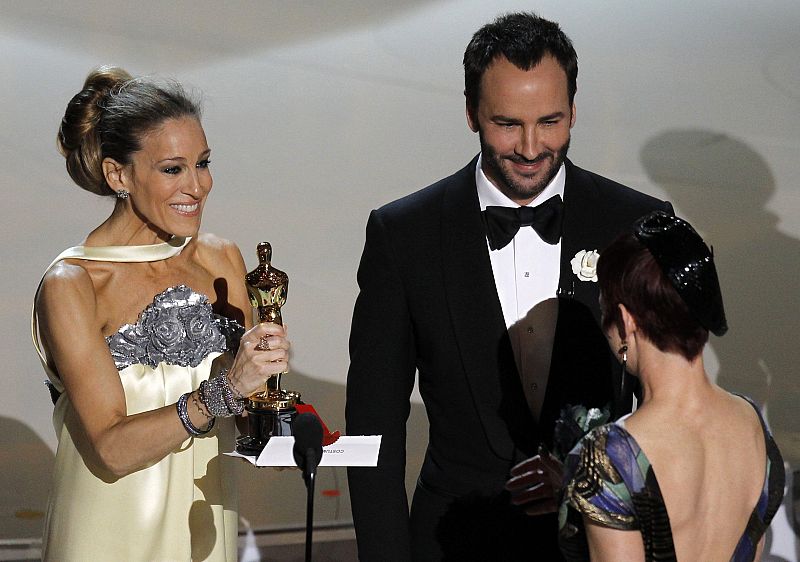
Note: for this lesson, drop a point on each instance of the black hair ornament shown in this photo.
(688, 263)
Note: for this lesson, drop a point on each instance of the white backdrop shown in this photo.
(319, 111)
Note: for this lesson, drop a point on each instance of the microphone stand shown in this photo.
(307, 452)
(309, 479)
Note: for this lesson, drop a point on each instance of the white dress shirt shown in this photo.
(526, 274)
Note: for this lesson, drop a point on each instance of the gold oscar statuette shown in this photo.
(270, 411)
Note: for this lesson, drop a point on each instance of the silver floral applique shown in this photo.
(179, 327)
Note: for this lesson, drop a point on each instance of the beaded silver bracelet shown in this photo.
(234, 403)
(217, 396)
(212, 400)
(183, 414)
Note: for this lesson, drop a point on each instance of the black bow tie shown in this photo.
(503, 223)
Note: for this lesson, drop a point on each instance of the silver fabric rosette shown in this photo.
(179, 328)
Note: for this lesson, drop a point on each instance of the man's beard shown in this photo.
(509, 185)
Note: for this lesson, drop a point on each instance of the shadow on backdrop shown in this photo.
(26, 466)
(722, 185)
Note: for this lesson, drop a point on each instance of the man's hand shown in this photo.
(535, 483)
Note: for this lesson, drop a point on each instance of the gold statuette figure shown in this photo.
(270, 412)
(268, 286)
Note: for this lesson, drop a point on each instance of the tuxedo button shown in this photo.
(534, 386)
(530, 329)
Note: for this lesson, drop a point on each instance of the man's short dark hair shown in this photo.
(522, 38)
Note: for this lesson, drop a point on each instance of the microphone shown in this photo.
(307, 451)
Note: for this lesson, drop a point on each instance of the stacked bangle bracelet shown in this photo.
(220, 398)
(183, 414)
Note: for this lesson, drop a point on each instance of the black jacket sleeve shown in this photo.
(379, 384)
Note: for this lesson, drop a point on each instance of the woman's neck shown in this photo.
(125, 229)
(670, 380)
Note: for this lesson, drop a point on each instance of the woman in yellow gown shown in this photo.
(145, 335)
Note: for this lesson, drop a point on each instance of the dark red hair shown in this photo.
(629, 274)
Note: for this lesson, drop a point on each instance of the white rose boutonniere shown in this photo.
(584, 265)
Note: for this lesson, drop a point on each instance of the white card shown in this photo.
(348, 450)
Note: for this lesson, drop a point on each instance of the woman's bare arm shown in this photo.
(612, 545)
(71, 330)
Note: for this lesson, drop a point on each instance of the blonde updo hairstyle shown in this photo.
(108, 119)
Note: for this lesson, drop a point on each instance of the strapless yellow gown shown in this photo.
(183, 507)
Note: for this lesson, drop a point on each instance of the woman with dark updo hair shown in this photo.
(693, 474)
(146, 336)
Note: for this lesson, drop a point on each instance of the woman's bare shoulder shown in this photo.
(746, 415)
(67, 306)
(216, 251)
(210, 241)
(67, 283)
(223, 260)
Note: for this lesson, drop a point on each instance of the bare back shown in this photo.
(710, 463)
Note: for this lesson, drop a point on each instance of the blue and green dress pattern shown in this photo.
(609, 480)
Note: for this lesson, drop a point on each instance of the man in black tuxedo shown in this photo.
(500, 323)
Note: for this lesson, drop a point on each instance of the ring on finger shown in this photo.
(263, 343)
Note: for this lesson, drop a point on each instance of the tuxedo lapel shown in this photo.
(589, 224)
(582, 230)
(576, 330)
(477, 317)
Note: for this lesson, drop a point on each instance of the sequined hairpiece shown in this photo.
(688, 263)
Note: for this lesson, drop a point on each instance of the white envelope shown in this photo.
(348, 450)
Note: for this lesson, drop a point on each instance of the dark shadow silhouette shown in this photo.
(26, 467)
(721, 185)
(477, 527)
